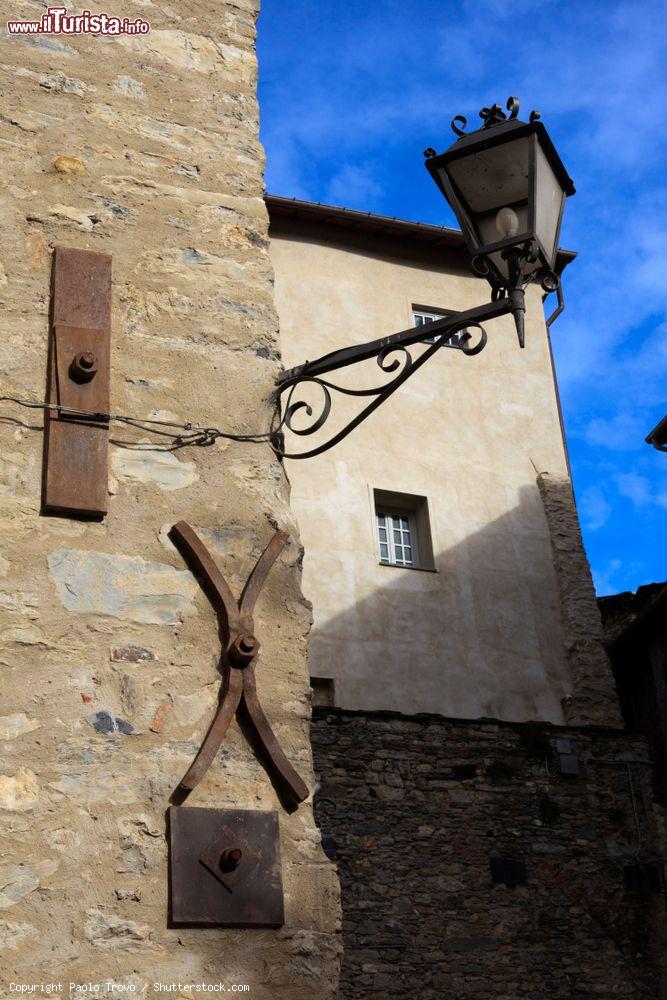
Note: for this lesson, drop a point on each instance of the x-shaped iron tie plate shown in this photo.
(239, 689)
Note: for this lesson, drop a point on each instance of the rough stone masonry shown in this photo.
(145, 148)
(415, 807)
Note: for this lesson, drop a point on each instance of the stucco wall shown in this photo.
(482, 636)
(146, 149)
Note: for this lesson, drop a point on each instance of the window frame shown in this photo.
(390, 514)
(417, 508)
(428, 315)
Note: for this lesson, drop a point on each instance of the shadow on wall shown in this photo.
(481, 637)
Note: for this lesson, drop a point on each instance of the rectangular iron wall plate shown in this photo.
(76, 446)
(224, 868)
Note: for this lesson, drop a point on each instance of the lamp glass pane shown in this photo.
(549, 197)
(494, 177)
(491, 230)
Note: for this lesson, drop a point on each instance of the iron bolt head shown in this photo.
(230, 859)
(83, 367)
(244, 648)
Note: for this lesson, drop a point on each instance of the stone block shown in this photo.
(125, 587)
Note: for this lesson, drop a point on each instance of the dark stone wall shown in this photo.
(415, 807)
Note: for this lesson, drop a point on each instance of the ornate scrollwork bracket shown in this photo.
(297, 415)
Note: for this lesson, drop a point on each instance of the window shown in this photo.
(323, 691)
(396, 537)
(423, 316)
(402, 530)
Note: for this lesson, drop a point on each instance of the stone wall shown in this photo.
(415, 807)
(145, 148)
(593, 698)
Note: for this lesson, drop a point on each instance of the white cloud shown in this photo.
(621, 432)
(594, 509)
(353, 187)
(604, 579)
(634, 487)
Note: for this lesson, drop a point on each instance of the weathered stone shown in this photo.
(132, 894)
(12, 935)
(17, 881)
(84, 782)
(109, 932)
(185, 50)
(159, 467)
(105, 722)
(121, 586)
(460, 797)
(189, 710)
(68, 214)
(57, 82)
(64, 840)
(62, 84)
(69, 165)
(132, 860)
(593, 698)
(19, 792)
(51, 45)
(12, 726)
(130, 87)
(157, 722)
(133, 654)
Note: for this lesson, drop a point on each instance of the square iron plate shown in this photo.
(203, 894)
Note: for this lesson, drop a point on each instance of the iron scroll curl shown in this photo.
(493, 115)
(469, 348)
(301, 405)
(392, 366)
(393, 359)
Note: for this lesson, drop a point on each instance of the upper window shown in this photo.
(423, 316)
(397, 538)
(403, 531)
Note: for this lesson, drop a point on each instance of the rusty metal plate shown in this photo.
(210, 884)
(76, 447)
(71, 341)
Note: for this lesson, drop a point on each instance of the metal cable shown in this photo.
(193, 433)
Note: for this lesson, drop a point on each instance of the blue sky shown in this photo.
(352, 92)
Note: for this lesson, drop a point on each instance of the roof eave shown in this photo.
(422, 233)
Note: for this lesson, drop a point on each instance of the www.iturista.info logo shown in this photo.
(56, 21)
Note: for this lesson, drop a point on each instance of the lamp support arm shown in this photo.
(374, 348)
(392, 356)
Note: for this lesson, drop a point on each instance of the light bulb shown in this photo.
(507, 223)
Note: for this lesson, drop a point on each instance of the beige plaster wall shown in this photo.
(481, 636)
(147, 149)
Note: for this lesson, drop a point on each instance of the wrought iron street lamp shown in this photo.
(507, 186)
